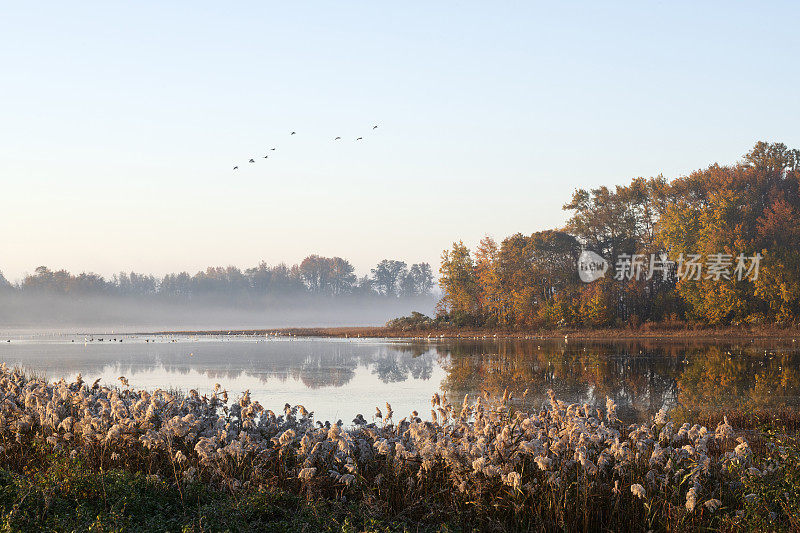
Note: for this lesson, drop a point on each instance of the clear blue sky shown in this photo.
(121, 123)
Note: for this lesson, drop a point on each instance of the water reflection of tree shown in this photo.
(724, 380)
(314, 363)
(578, 373)
(392, 366)
(333, 371)
(640, 376)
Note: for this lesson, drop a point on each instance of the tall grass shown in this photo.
(481, 464)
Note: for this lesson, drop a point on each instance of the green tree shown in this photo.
(459, 285)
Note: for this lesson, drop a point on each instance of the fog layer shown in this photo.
(128, 313)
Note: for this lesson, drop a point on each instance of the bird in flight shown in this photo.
(359, 138)
(337, 138)
(375, 127)
(252, 161)
(294, 132)
(235, 168)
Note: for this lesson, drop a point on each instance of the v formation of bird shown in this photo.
(252, 160)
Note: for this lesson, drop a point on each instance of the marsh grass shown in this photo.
(58, 493)
(81, 457)
(752, 419)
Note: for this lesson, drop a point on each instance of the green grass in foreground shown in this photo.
(53, 492)
(62, 494)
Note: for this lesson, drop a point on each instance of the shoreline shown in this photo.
(383, 332)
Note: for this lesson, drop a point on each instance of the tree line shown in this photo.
(721, 212)
(315, 275)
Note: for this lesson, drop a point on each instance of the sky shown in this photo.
(121, 122)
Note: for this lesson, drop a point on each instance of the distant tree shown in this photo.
(424, 278)
(386, 276)
(417, 280)
(134, 284)
(408, 285)
(363, 286)
(235, 281)
(45, 280)
(88, 283)
(40, 281)
(287, 280)
(176, 285)
(342, 276)
(327, 275)
(259, 278)
(332, 276)
(4, 284)
(316, 273)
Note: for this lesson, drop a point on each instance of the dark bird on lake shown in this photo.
(293, 133)
(273, 149)
(266, 156)
(337, 138)
(252, 161)
(375, 127)
(359, 138)
(235, 168)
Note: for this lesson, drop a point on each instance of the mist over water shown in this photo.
(43, 313)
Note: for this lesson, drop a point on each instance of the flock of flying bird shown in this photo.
(252, 160)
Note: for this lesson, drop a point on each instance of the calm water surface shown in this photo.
(337, 378)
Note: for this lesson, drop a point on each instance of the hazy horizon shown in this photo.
(320, 291)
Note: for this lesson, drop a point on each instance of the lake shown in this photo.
(338, 378)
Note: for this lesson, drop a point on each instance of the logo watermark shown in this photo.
(719, 266)
(591, 266)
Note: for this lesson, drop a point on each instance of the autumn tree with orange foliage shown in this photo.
(750, 207)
